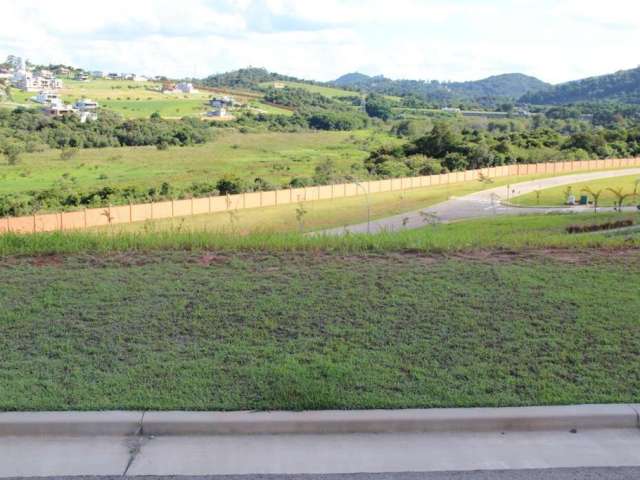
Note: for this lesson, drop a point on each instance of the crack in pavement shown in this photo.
(135, 444)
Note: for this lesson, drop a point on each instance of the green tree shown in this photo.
(378, 106)
(12, 150)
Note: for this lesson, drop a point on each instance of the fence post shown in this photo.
(61, 226)
(34, 223)
(172, 208)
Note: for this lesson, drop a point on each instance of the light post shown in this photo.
(366, 193)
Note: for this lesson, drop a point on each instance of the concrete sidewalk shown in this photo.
(192, 443)
(485, 203)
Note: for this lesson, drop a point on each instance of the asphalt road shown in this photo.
(629, 473)
(486, 203)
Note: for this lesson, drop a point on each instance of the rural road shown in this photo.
(485, 203)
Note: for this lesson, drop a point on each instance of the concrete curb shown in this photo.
(577, 417)
(70, 423)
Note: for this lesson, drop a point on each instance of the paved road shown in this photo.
(485, 203)
(628, 473)
(317, 454)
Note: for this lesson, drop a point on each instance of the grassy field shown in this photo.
(319, 214)
(322, 90)
(505, 233)
(215, 331)
(558, 195)
(139, 99)
(276, 157)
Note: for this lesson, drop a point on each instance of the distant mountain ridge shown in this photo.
(509, 85)
(622, 86)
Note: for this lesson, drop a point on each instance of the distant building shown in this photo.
(113, 76)
(134, 77)
(185, 87)
(46, 98)
(278, 85)
(451, 110)
(29, 82)
(85, 116)
(218, 112)
(86, 105)
(59, 109)
(62, 71)
(82, 77)
(222, 102)
(98, 74)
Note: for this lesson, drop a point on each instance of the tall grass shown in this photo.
(535, 231)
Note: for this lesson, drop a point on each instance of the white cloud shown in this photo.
(555, 40)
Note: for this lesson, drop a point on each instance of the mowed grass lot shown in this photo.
(322, 90)
(137, 99)
(276, 157)
(318, 215)
(558, 195)
(213, 331)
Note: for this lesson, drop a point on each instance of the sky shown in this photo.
(554, 40)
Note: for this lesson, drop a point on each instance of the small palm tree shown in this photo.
(538, 194)
(621, 196)
(484, 179)
(301, 212)
(595, 194)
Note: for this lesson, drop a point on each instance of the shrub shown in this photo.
(595, 227)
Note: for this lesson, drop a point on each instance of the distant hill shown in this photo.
(245, 78)
(622, 86)
(352, 80)
(510, 85)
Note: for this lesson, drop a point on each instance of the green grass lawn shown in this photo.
(213, 331)
(269, 108)
(134, 99)
(558, 195)
(276, 157)
(326, 91)
(319, 215)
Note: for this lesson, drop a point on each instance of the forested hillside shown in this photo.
(622, 86)
(512, 86)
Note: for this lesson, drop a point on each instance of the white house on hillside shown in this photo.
(185, 87)
(86, 104)
(45, 97)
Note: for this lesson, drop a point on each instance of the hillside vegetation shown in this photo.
(622, 86)
(507, 86)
